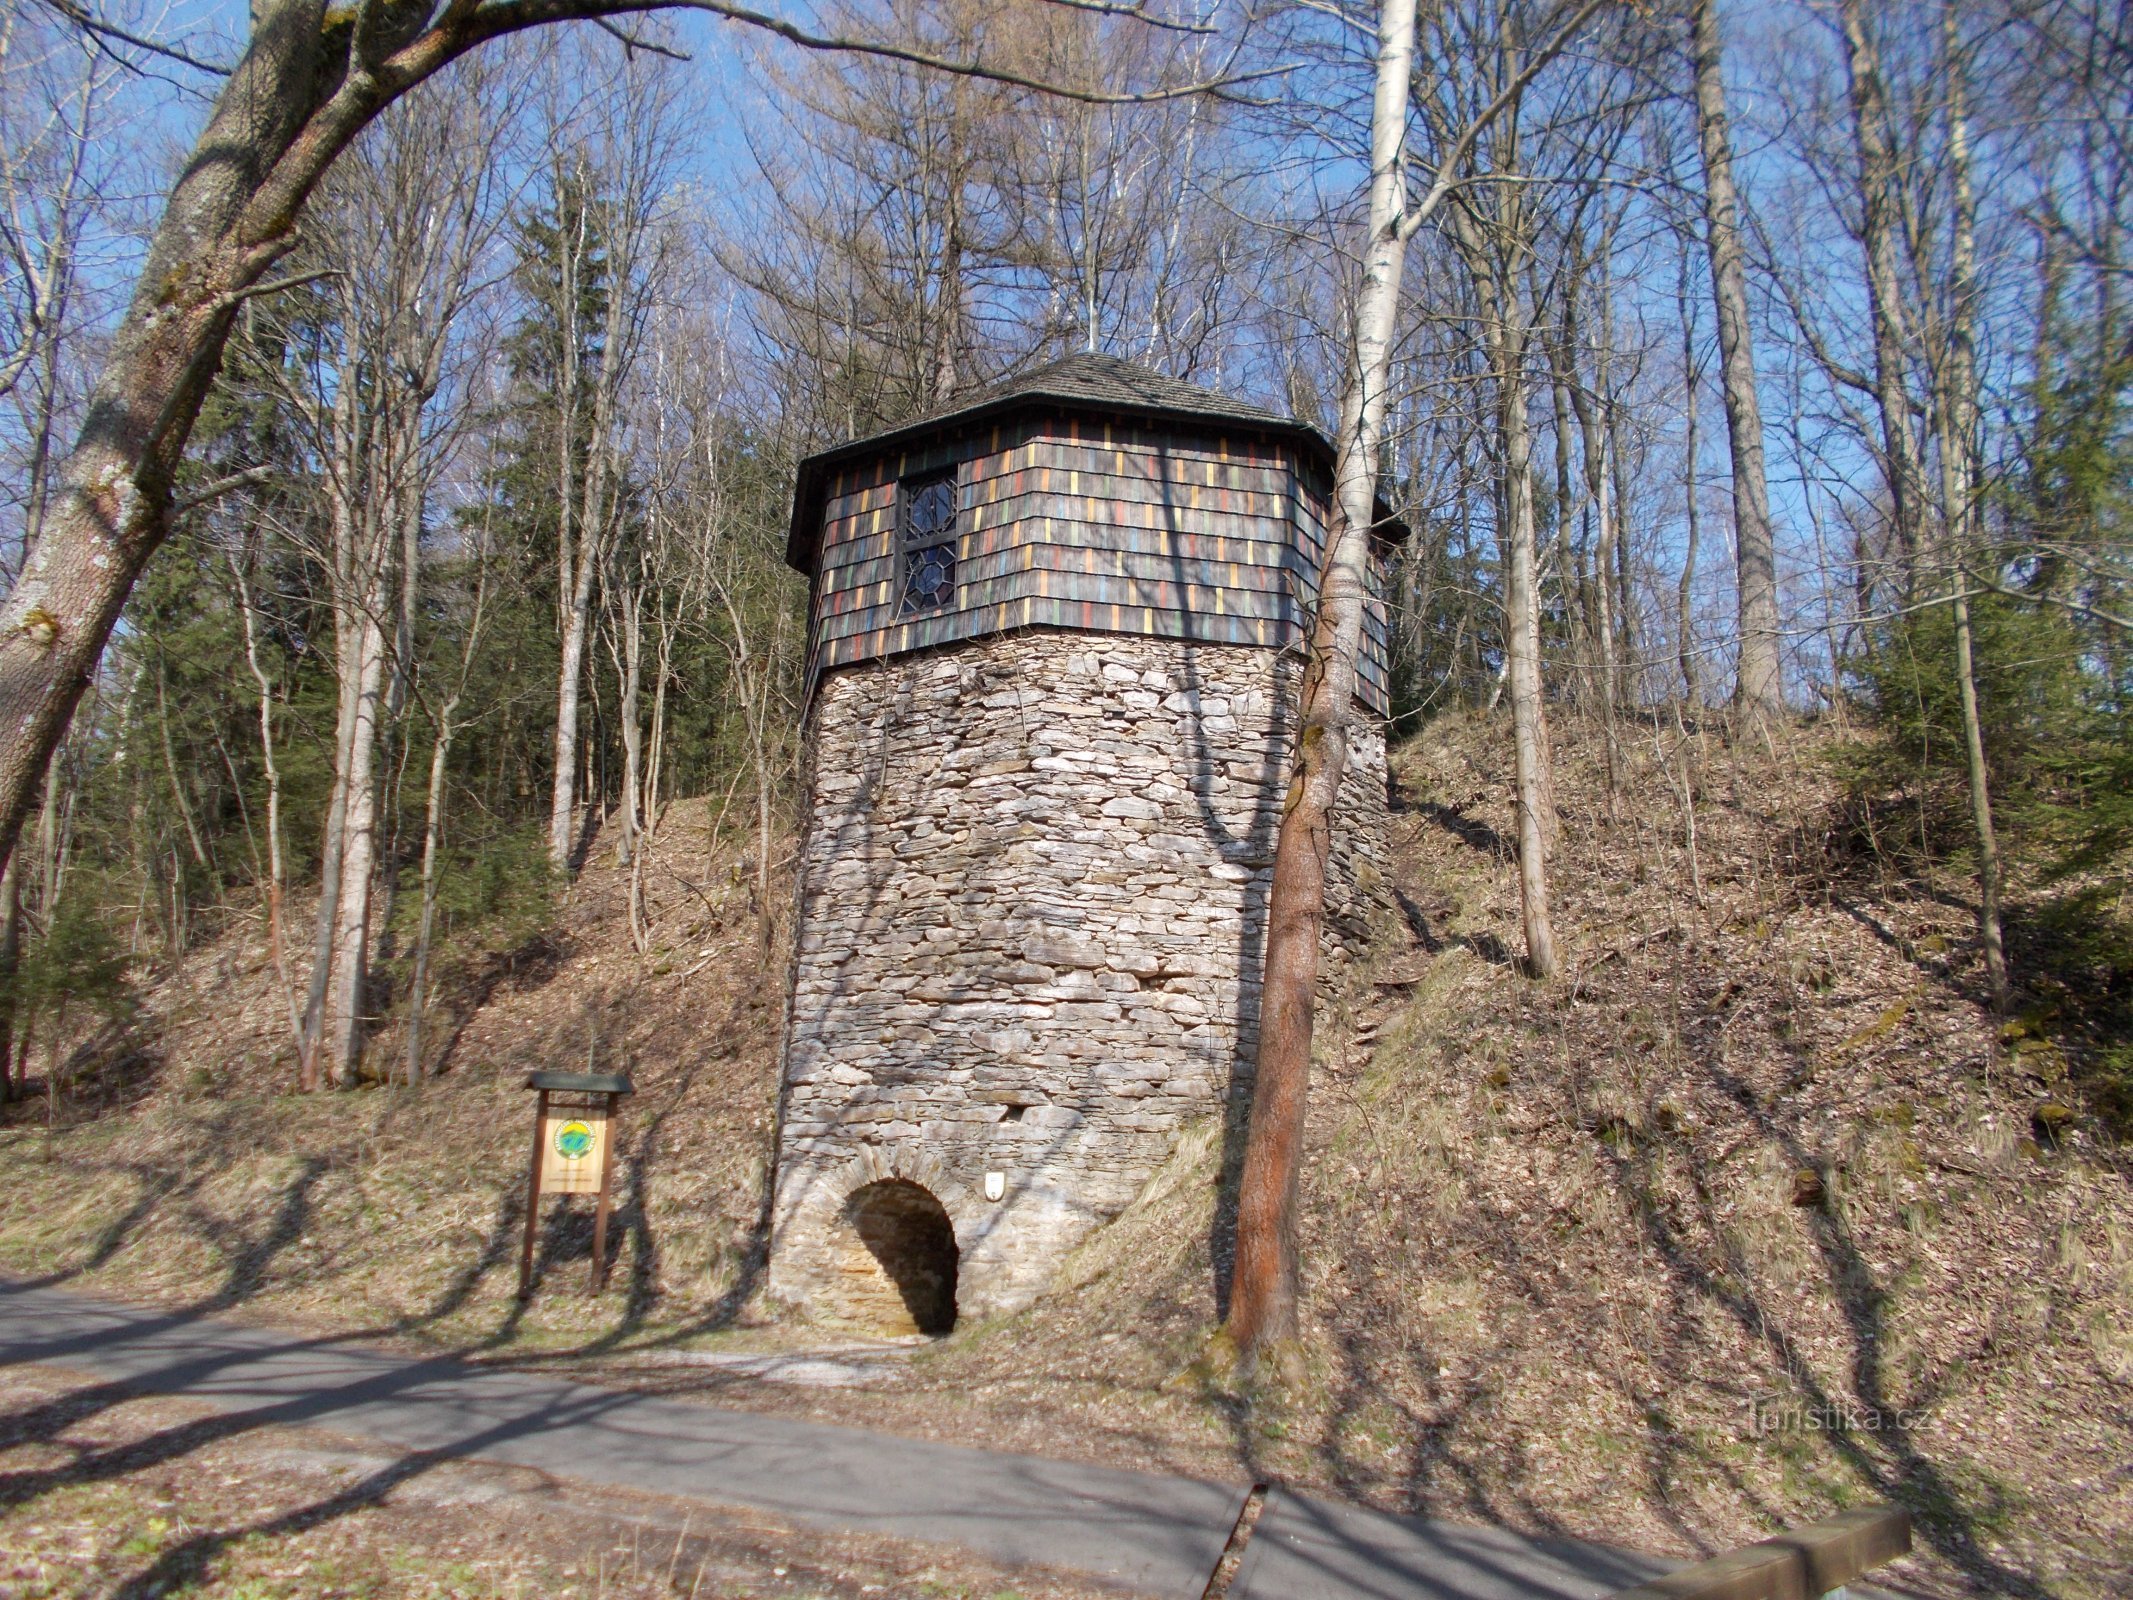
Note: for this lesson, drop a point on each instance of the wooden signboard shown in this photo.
(573, 1149)
(573, 1124)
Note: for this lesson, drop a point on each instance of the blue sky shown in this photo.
(1770, 46)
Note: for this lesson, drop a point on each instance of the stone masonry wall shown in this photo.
(1031, 909)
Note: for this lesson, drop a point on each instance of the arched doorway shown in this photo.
(898, 1259)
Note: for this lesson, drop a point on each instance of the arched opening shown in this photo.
(899, 1258)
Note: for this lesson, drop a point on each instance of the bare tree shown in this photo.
(1759, 685)
(444, 728)
(276, 888)
(609, 168)
(1691, 487)
(1956, 417)
(402, 238)
(1493, 225)
(1263, 1289)
(311, 77)
(1587, 405)
(1880, 232)
(1264, 1285)
(900, 240)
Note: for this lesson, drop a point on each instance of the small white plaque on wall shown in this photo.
(995, 1185)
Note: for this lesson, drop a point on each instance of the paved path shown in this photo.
(1153, 1534)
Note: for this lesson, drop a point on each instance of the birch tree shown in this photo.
(1264, 1285)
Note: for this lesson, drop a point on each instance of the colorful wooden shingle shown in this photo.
(1091, 495)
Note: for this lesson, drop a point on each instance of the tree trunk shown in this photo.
(1684, 614)
(1264, 1285)
(765, 928)
(1885, 305)
(1759, 690)
(648, 806)
(1606, 518)
(581, 556)
(1980, 784)
(277, 869)
(10, 964)
(170, 769)
(332, 837)
(1529, 723)
(359, 582)
(348, 959)
(1490, 248)
(629, 707)
(577, 575)
(1959, 476)
(570, 556)
(1566, 513)
(433, 818)
(1599, 494)
(432, 832)
(413, 493)
(1625, 567)
(1625, 607)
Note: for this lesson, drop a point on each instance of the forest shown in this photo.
(1713, 1121)
(1750, 364)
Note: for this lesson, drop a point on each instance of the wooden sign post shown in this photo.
(573, 1137)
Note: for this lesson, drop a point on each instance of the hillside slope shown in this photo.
(187, 1171)
(1745, 1218)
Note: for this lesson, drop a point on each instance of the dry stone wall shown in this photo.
(1032, 901)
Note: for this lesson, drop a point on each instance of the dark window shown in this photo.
(928, 541)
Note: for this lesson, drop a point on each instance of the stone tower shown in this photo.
(1055, 639)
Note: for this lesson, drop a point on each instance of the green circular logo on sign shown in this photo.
(573, 1141)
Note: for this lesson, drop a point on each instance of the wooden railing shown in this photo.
(1800, 1564)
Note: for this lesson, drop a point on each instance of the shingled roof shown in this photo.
(1110, 383)
(1084, 384)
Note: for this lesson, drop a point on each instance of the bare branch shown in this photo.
(1448, 165)
(1137, 13)
(276, 285)
(211, 492)
(636, 41)
(79, 16)
(512, 16)
(2078, 607)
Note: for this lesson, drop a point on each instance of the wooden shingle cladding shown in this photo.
(1162, 529)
